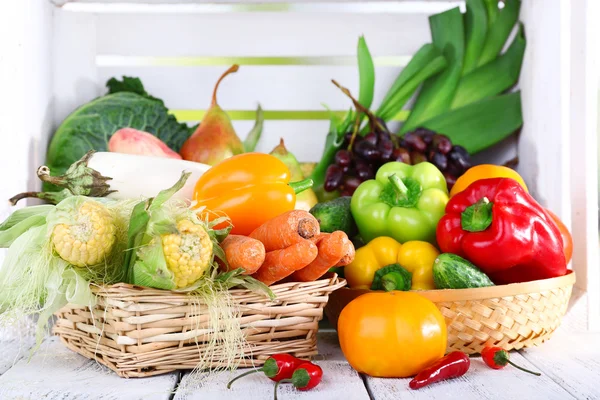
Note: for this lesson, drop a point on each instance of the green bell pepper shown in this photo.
(404, 202)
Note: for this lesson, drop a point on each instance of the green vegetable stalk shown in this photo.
(392, 277)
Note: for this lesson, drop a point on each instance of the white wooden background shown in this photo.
(57, 55)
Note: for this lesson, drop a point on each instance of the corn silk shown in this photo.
(36, 281)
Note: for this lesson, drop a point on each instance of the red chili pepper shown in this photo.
(497, 358)
(305, 377)
(276, 368)
(452, 365)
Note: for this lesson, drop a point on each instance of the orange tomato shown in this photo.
(485, 171)
(391, 334)
(566, 236)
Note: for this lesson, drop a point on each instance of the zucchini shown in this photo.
(454, 272)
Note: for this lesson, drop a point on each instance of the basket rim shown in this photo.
(513, 289)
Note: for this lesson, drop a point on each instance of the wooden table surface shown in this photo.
(569, 363)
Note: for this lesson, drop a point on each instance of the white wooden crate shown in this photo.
(57, 54)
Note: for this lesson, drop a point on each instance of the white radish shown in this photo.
(135, 176)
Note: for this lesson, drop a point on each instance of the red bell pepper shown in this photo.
(500, 228)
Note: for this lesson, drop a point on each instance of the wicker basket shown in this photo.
(139, 332)
(511, 316)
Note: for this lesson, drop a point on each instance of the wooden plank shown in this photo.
(572, 361)
(479, 383)
(15, 343)
(275, 87)
(340, 381)
(261, 33)
(55, 372)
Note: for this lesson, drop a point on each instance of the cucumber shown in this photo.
(454, 272)
(335, 215)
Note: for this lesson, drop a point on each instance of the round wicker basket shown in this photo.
(511, 316)
(139, 332)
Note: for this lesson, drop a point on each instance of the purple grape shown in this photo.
(415, 142)
(450, 180)
(460, 157)
(439, 160)
(425, 134)
(350, 183)
(442, 144)
(386, 147)
(343, 158)
(363, 170)
(366, 150)
(400, 154)
(371, 138)
(347, 192)
(417, 157)
(453, 168)
(333, 177)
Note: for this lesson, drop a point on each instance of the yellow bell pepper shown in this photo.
(485, 171)
(415, 256)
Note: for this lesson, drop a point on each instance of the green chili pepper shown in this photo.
(404, 202)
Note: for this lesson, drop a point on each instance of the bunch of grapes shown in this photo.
(359, 159)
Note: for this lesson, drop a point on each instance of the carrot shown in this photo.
(286, 229)
(348, 255)
(243, 252)
(281, 263)
(331, 250)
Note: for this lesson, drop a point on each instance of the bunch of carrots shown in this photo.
(290, 245)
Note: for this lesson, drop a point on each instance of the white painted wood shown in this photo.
(15, 344)
(25, 103)
(584, 152)
(74, 68)
(339, 381)
(572, 360)
(260, 34)
(274, 87)
(480, 382)
(203, 6)
(55, 372)
(544, 145)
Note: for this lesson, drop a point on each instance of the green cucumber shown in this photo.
(454, 272)
(335, 215)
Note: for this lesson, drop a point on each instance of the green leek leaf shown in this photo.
(494, 77)
(482, 124)
(366, 73)
(426, 62)
(436, 95)
(476, 25)
(499, 30)
(491, 7)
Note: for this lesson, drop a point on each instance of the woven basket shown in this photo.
(510, 316)
(139, 332)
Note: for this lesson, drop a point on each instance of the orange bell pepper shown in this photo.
(485, 171)
(251, 188)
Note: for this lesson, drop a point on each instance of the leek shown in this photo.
(426, 62)
(499, 31)
(494, 77)
(482, 124)
(476, 24)
(447, 31)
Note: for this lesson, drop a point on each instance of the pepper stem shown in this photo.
(302, 185)
(523, 369)
(390, 282)
(502, 358)
(478, 216)
(277, 385)
(252, 371)
(398, 185)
